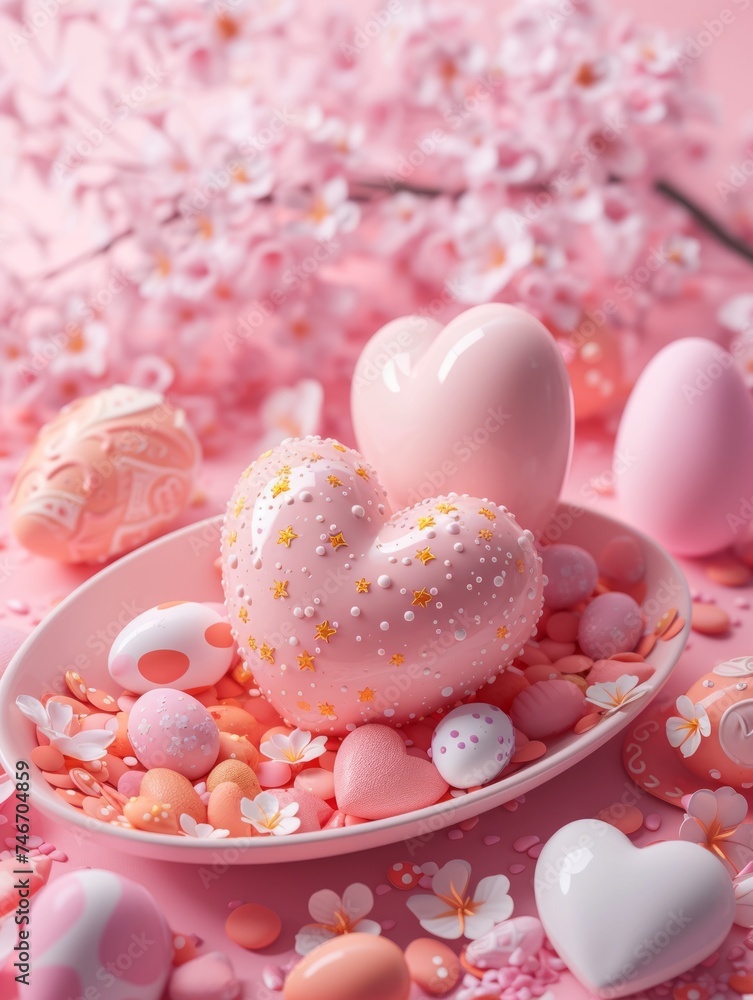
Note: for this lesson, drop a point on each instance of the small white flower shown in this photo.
(614, 695)
(335, 916)
(202, 831)
(453, 912)
(688, 729)
(295, 748)
(55, 721)
(264, 814)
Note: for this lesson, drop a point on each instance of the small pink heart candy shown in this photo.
(375, 777)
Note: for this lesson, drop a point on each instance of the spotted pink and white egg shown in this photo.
(169, 728)
(472, 744)
(181, 644)
(97, 933)
(347, 613)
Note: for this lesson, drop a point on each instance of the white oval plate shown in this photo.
(180, 566)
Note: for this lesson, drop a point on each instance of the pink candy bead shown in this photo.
(571, 575)
(612, 623)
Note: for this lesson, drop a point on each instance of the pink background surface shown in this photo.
(191, 905)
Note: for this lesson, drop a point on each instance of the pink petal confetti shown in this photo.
(455, 834)
(652, 822)
(491, 839)
(535, 851)
(516, 869)
(523, 844)
(388, 925)
(382, 890)
(468, 824)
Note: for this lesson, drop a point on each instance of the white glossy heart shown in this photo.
(623, 918)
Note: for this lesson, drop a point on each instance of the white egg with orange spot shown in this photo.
(181, 644)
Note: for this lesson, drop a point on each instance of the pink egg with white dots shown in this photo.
(169, 728)
(181, 644)
(98, 934)
(472, 744)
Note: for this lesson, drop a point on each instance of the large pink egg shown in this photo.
(481, 406)
(183, 644)
(98, 934)
(168, 728)
(684, 451)
(110, 472)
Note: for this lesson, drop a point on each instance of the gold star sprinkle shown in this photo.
(315, 456)
(445, 508)
(503, 632)
(232, 537)
(396, 659)
(421, 597)
(267, 653)
(426, 522)
(337, 540)
(425, 555)
(366, 695)
(286, 535)
(305, 661)
(521, 566)
(327, 710)
(282, 486)
(243, 615)
(360, 471)
(362, 586)
(339, 447)
(240, 503)
(251, 642)
(284, 470)
(324, 630)
(334, 481)
(304, 706)
(280, 588)
(488, 513)
(486, 533)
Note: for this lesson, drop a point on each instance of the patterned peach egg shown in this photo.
(169, 728)
(145, 814)
(182, 644)
(234, 747)
(163, 785)
(90, 921)
(224, 810)
(351, 967)
(111, 471)
(237, 772)
(433, 966)
(725, 755)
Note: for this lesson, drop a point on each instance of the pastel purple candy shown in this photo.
(612, 623)
(571, 573)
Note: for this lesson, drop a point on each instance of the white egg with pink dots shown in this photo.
(185, 645)
(472, 744)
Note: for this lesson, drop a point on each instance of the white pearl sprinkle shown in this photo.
(357, 511)
(384, 581)
(320, 550)
(384, 626)
(305, 496)
(453, 528)
(409, 616)
(355, 612)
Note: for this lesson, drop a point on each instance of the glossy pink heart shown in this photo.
(347, 613)
(482, 406)
(375, 776)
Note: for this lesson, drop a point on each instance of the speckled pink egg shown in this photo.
(169, 728)
(472, 744)
(98, 934)
(547, 708)
(111, 471)
(182, 644)
(612, 623)
(571, 574)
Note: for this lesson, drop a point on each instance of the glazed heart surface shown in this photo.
(481, 406)
(346, 612)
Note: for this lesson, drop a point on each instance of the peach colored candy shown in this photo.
(728, 571)
(101, 700)
(234, 747)
(575, 664)
(356, 820)
(318, 781)
(224, 810)
(327, 760)
(611, 670)
(577, 680)
(541, 672)
(207, 696)
(336, 821)
(709, 619)
(151, 817)
(533, 654)
(556, 650)
(76, 685)
(228, 687)
(433, 967)
(646, 644)
(253, 926)
(621, 560)
(629, 657)
(273, 773)
(121, 745)
(58, 779)
(665, 621)
(674, 629)
(71, 795)
(626, 819)
(101, 809)
(184, 949)
(47, 758)
(503, 691)
(237, 772)
(586, 723)
(531, 750)
(161, 784)
(233, 719)
(562, 626)
(547, 708)
(116, 768)
(97, 720)
(742, 982)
